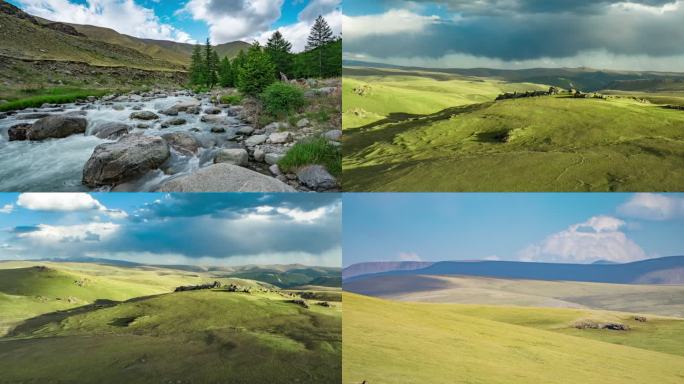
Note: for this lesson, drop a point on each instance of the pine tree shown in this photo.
(320, 36)
(279, 50)
(215, 63)
(210, 64)
(239, 62)
(226, 78)
(196, 66)
(257, 72)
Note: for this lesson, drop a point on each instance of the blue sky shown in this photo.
(194, 20)
(578, 228)
(197, 228)
(515, 34)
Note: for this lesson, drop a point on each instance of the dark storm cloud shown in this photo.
(512, 30)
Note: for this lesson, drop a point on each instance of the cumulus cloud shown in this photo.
(600, 237)
(66, 202)
(639, 35)
(53, 234)
(124, 16)
(7, 208)
(653, 206)
(235, 20)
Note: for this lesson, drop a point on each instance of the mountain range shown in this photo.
(663, 270)
(30, 45)
(583, 78)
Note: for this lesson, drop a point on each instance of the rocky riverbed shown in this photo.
(155, 141)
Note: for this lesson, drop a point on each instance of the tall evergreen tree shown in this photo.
(226, 77)
(319, 37)
(279, 50)
(197, 66)
(210, 64)
(257, 72)
(239, 62)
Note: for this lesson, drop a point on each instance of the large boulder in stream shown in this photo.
(18, 132)
(182, 142)
(56, 127)
(130, 157)
(224, 177)
(110, 130)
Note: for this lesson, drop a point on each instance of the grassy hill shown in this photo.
(408, 140)
(89, 322)
(170, 51)
(197, 336)
(392, 342)
(667, 300)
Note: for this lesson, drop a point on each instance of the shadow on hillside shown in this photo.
(29, 326)
(356, 139)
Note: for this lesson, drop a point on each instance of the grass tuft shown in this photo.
(32, 98)
(316, 151)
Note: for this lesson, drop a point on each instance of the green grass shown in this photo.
(232, 99)
(401, 343)
(199, 336)
(37, 97)
(534, 144)
(314, 151)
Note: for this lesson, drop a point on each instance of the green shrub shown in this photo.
(281, 99)
(231, 99)
(316, 151)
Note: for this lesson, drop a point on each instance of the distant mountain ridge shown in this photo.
(664, 270)
(584, 79)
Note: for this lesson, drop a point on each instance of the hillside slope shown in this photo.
(197, 336)
(402, 343)
(667, 300)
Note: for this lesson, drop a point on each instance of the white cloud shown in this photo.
(318, 7)
(653, 206)
(298, 33)
(124, 16)
(51, 234)
(66, 202)
(409, 256)
(597, 238)
(231, 20)
(392, 22)
(7, 208)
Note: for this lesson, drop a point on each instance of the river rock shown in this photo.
(169, 112)
(224, 177)
(217, 130)
(56, 126)
(279, 137)
(212, 111)
(316, 177)
(259, 154)
(303, 123)
(182, 142)
(275, 170)
(273, 158)
(130, 157)
(118, 107)
(144, 115)
(255, 140)
(215, 119)
(236, 156)
(246, 130)
(334, 135)
(18, 132)
(174, 121)
(275, 127)
(110, 130)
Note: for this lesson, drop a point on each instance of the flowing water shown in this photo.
(57, 164)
